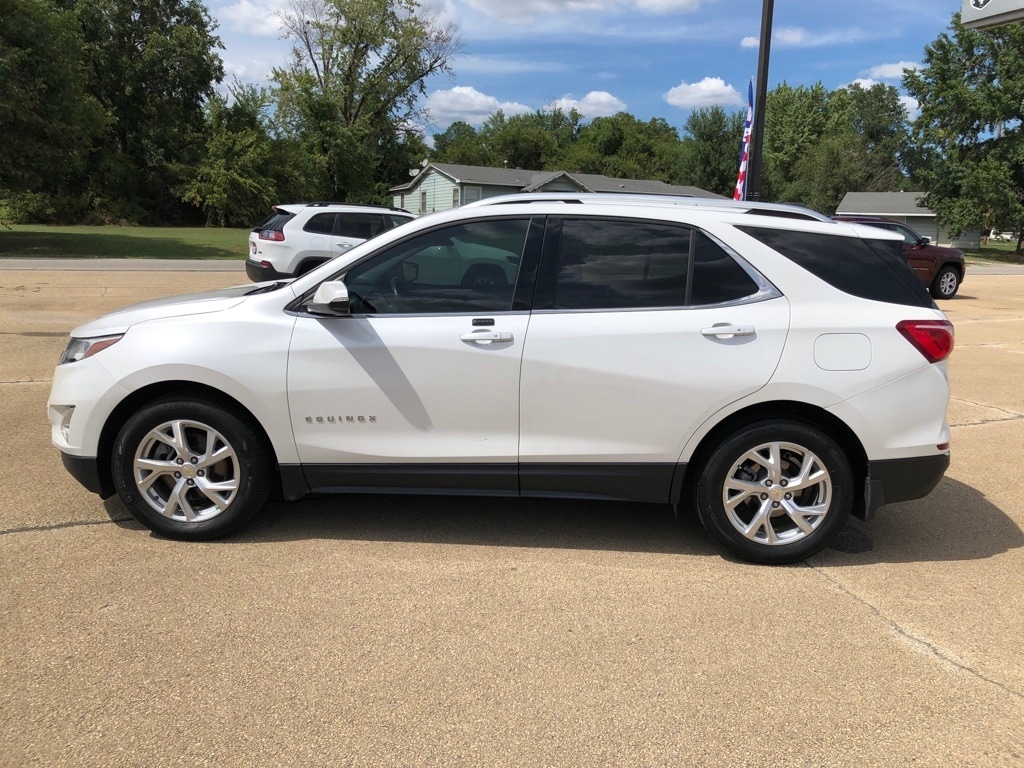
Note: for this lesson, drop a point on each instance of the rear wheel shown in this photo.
(190, 469)
(775, 492)
(946, 283)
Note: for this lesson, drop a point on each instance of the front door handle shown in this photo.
(727, 331)
(486, 337)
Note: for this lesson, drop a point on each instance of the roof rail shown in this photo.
(325, 203)
(784, 210)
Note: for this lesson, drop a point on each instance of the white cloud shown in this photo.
(254, 17)
(865, 83)
(594, 104)
(708, 92)
(469, 105)
(798, 37)
(750, 42)
(525, 11)
(503, 65)
(912, 105)
(892, 71)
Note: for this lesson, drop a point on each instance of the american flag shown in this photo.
(741, 178)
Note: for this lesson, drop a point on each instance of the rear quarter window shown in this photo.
(275, 223)
(874, 270)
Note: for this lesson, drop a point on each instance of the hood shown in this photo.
(120, 320)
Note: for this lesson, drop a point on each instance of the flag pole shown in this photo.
(757, 132)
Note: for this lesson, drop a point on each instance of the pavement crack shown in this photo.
(925, 646)
(26, 381)
(61, 526)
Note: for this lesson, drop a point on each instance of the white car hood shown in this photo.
(120, 320)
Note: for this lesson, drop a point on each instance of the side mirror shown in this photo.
(925, 241)
(330, 299)
(410, 271)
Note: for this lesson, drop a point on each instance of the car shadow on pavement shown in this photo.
(955, 522)
(485, 521)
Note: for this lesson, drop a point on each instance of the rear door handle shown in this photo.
(728, 331)
(486, 337)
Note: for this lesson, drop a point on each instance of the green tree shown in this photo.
(232, 183)
(711, 149)
(154, 64)
(49, 118)
(969, 146)
(459, 143)
(349, 93)
(624, 147)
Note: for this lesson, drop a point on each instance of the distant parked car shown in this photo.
(941, 269)
(300, 236)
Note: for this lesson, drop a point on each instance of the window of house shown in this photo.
(423, 201)
(455, 197)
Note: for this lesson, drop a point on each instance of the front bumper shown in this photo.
(893, 480)
(86, 470)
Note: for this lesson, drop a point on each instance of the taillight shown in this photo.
(932, 338)
(272, 234)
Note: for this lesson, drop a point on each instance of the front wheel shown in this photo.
(189, 469)
(775, 492)
(946, 283)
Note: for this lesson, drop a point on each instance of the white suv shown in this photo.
(298, 237)
(774, 371)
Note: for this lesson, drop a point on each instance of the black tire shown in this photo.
(308, 265)
(946, 283)
(802, 522)
(160, 462)
(483, 276)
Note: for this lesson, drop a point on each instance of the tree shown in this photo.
(624, 147)
(534, 141)
(969, 146)
(460, 144)
(350, 90)
(154, 64)
(232, 182)
(48, 116)
(711, 149)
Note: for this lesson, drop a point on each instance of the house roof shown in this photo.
(532, 181)
(884, 204)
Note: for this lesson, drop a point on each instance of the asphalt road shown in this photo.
(372, 631)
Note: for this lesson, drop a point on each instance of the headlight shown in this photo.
(79, 349)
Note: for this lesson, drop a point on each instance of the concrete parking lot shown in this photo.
(372, 631)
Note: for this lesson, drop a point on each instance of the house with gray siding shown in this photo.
(439, 186)
(906, 208)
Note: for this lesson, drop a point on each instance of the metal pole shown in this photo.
(757, 131)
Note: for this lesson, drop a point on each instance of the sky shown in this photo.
(651, 58)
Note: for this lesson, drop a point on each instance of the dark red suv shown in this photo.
(941, 269)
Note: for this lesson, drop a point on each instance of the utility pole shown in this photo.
(757, 131)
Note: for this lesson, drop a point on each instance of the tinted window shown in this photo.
(879, 273)
(605, 264)
(394, 221)
(471, 267)
(360, 225)
(276, 222)
(717, 277)
(910, 237)
(321, 224)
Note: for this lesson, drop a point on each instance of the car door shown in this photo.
(917, 252)
(354, 228)
(641, 331)
(419, 387)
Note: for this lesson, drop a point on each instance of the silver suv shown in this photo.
(300, 236)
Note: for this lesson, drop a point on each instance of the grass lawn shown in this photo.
(996, 252)
(27, 240)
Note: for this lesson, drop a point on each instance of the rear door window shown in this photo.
(361, 226)
(610, 264)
